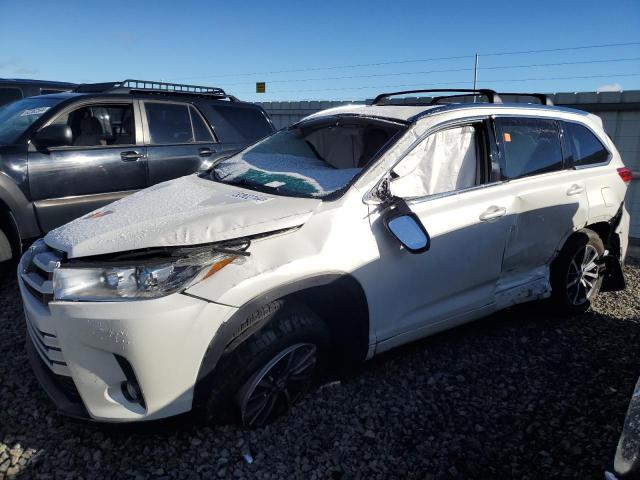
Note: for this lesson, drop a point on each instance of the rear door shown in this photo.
(550, 196)
(105, 162)
(178, 140)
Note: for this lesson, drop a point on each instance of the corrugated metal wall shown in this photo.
(620, 112)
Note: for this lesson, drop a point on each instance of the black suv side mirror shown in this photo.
(53, 136)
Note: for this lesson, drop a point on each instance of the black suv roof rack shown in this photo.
(492, 95)
(131, 85)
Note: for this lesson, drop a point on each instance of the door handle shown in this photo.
(205, 152)
(131, 156)
(492, 213)
(575, 190)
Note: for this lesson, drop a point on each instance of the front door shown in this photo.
(105, 162)
(456, 278)
(445, 182)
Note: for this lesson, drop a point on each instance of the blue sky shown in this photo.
(212, 43)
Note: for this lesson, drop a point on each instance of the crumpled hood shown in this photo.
(186, 211)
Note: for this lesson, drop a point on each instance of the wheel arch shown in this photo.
(9, 226)
(13, 200)
(337, 298)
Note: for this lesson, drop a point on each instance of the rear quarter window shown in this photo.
(235, 124)
(583, 146)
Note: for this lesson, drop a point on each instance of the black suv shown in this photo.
(12, 89)
(63, 155)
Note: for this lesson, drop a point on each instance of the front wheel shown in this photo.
(576, 275)
(6, 252)
(269, 371)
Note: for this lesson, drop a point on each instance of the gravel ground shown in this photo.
(517, 395)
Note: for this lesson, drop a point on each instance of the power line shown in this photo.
(446, 70)
(397, 62)
(451, 84)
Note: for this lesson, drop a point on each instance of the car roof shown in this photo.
(40, 83)
(411, 113)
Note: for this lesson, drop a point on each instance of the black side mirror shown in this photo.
(408, 229)
(53, 136)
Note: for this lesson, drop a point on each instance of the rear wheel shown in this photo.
(576, 273)
(270, 370)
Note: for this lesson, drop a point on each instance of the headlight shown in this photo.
(136, 282)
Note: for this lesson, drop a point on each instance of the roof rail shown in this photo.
(543, 98)
(492, 95)
(132, 85)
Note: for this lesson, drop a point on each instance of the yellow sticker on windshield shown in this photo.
(507, 137)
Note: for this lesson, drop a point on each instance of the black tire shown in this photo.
(285, 324)
(7, 266)
(567, 300)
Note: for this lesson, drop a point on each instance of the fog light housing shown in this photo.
(130, 387)
(131, 391)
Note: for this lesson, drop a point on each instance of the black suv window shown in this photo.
(9, 94)
(47, 91)
(101, 125)
(529, 146)
(583, 146)
(200, 130)
(234, 124)
(169, 122)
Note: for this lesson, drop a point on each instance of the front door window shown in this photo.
(101, 125)
(443, 162)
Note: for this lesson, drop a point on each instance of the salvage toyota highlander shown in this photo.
(355, 230)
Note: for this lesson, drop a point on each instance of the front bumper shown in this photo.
(164, 341)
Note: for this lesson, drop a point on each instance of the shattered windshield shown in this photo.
(16, 117)
(310, 161)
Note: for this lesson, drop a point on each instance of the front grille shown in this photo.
(48, 348)
(62, 383)
(37, 270)
(38, 264)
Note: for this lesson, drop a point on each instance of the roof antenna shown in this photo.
(475, 77)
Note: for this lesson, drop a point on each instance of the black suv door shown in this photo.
(105, 162)
(177, 138)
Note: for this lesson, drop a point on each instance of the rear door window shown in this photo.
(233, 124)
(169, 123)
(529, 146)
(583, 146)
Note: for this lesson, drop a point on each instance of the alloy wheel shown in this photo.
(582, 277)
(278, 385)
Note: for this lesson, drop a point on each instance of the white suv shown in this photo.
(356, 230)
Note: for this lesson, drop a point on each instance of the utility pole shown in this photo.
(475, 77)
